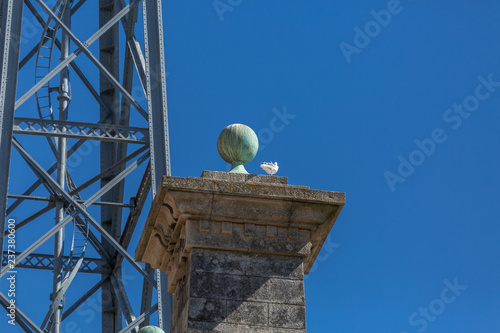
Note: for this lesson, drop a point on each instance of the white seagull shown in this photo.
(270, 167)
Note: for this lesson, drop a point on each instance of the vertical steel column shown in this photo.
(10, 41)
(110, 112)
(110, 216)
(158, 125)
(61, 164)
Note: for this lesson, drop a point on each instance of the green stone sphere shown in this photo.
(151, 329)
(237, 144)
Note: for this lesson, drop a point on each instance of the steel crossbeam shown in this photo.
(140, 319)
(82, 47)
(79, 209)
(38, 182)
(83, 298)
(78, 130)
(46, 262)
(124, 301)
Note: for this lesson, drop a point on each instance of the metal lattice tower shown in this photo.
(69, 108)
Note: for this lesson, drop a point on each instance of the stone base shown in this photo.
(233, 292)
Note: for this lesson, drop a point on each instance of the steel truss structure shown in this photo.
(103, 208)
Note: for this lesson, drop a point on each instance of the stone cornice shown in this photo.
(237, 213)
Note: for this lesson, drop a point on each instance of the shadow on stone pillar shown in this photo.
(235, 248)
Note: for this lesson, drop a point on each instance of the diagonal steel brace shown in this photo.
(84, 48)
(80, 208)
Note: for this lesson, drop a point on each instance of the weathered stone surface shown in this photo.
(277, 290)
(247, 264)
(251, 239)
(240, 177)
(235, 248)
(264, 210)
(249, 313)
(287, 316)
(255, 188)
(223, 286)
(204, 309)
(181, 306)
(202, 327)
(225, 291)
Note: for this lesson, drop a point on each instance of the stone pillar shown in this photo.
(236, 248)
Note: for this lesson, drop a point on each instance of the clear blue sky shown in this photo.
(403, 116)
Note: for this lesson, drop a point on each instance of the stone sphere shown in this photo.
(237, 144)
(151, 329)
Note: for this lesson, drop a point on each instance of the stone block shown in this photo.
(203, 327)
(276, 290)
(247, 313)
(221, 286)
(287, 316)
(240, 177)
(246, 264)
(203, 309)
(249, 238)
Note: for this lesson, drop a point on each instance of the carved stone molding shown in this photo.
(235, 212)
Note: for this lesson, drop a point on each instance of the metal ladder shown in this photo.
(44, 106)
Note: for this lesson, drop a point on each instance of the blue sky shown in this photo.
(405, 122)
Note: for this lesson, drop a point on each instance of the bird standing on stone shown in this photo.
(270, 167)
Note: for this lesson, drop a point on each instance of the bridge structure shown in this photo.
(83, 142)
